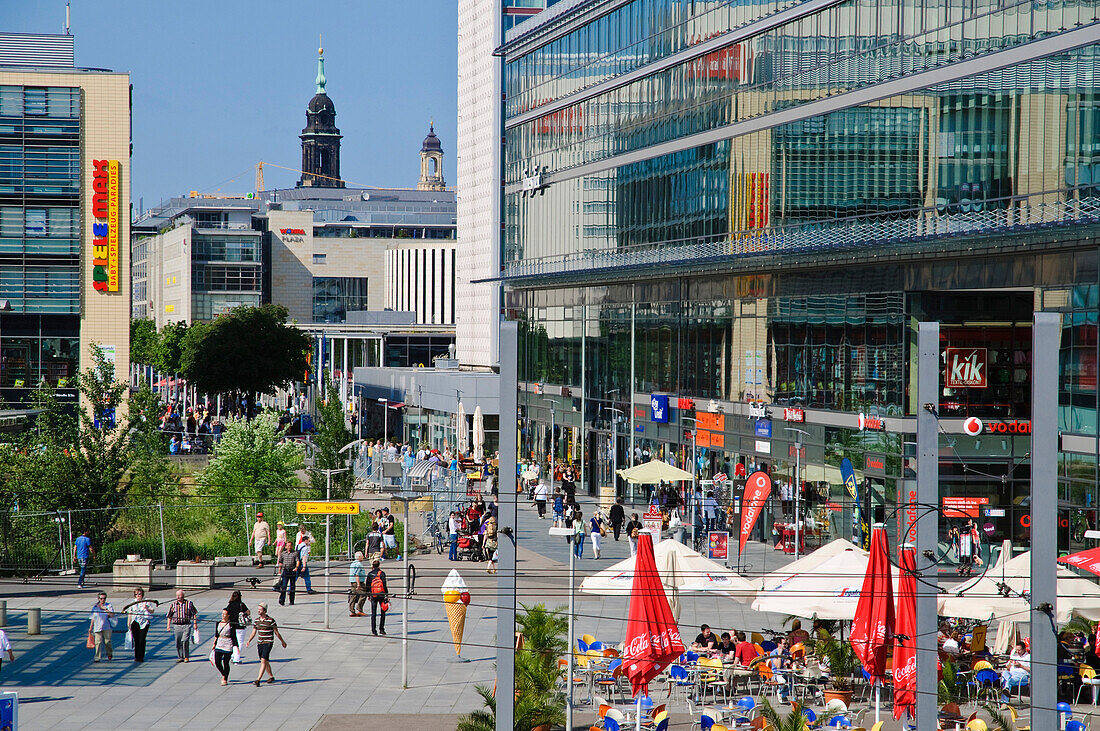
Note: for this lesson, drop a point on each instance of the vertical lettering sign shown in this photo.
(105, 225)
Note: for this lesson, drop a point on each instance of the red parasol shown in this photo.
(873, 625)
(652, 636)
(1088, 560)
(905, 637)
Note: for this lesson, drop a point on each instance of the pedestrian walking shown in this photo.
(5, 647)
(82, 553)
(225, 642)
(138, 615)
(280, 537)
(633, 528)
(357, 576)
(379, 597)
(454, 524)
(617, 516)
(102, 622)
(541, 492)
(240, 617)
(559, 508)
(597, 530)
(389, 532)
(304, 546)
(578, 534)
(183, 619)
(288, 565)
(261, 534)
(264, 631)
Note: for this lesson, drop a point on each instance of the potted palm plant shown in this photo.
(843, 663)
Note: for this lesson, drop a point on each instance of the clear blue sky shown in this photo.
(219, 86)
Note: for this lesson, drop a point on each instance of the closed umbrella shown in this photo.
(873, 624)
(479, 434)
(905, 637)
(652, 636)
(462, 436)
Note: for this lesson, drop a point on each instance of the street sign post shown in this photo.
(318, 507)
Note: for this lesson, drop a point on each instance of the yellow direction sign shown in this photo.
(323, 508)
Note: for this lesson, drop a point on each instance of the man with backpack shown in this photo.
(376, 582)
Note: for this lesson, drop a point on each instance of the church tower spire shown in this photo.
(431, 163)
(320, 138)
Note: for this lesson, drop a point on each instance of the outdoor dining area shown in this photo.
(852, 667)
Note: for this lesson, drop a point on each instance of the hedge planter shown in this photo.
(195, 575)
(131, 574)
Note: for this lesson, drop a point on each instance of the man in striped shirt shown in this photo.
(182, 617)
(264, 630)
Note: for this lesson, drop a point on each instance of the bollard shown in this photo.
(3, 612)
(34, 621)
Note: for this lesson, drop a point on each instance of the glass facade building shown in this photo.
(745, 208)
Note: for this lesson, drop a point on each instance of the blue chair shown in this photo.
(768, 645)
(663, 725)
(746, 702)
(691, 657)
(583, 646)
(705, 722)
(839, 722)
(610, 724)
(1076, 726)
(984, 680)
(809, 715)
(596, 646)
(647, 702)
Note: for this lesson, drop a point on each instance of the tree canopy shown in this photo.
(249, 349)
(332, 434)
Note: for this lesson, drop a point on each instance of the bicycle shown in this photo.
(432, 535)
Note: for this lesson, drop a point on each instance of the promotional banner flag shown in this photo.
(848, 473)
(758, 487)
(905, 637)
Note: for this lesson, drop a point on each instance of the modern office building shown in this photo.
(481, 28)
(722, 222)
(64, 214)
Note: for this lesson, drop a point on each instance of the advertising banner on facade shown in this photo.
(966, 368)
(758, 487)
(849, 474)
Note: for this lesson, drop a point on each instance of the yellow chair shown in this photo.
(757, 638)
(877, 726)
(718, 727)
(977, 724)
(711, 676)
(1088, 680)
(587, 639)
(982, 665)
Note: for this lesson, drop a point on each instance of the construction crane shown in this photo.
(259, 177)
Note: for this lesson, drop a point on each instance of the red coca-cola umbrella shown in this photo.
(905, 637)
(873, 625)
(652, 636)
(1088, 560)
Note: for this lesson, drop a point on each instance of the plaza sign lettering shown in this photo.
(105, 225)
(292, 231)
(966, 368)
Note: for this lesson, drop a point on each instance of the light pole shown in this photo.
(797, 484)
(569, 536)
(553, 442)
(328, 520)
(694, 438)
(405, 586)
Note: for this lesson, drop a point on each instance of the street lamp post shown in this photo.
(694, 501)
(405, 586)
(567, 532)
(797, 485)
(328, 521)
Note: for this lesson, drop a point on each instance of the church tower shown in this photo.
(431, 163)
(320, 138)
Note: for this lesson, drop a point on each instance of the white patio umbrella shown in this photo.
(462, 435)
(997, 594)
(807, 562)
(681, 570)
(479, 434)
(653, 472)
(829, 590)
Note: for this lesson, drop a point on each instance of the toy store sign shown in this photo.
(105, 225)
(293, 235)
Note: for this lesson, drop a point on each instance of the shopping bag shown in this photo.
(236, 654)
(195, 635)
(91, 640)
(129, 639)
(212, 658)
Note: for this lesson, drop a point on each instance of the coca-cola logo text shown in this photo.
(906, 673)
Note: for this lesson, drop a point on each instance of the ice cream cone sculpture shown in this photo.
(456, 597)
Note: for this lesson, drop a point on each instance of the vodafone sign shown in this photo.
(973, 426)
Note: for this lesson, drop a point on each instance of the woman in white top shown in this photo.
(676, 525)
(225, 639)
(138, 614)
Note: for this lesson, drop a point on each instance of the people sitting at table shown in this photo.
(953, 645)
(705, 640)
(797, 634)
(726, 645)
(779, 660)
(1018, 670)
(746, 651)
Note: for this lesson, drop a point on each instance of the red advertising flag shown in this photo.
(757, 489)
(652, 636)
(905, 637)
(1088, 560)
(873, 625)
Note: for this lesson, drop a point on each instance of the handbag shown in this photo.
(603, 531)
(91, 640)
(385, 605)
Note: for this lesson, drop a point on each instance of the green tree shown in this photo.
(249, 350)
(143, 342)
(252, 463)
(331, 434)
(152, 477)
(169, 347)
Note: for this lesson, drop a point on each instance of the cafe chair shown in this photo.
(1088, 680)
(982, 665)
(877, 726)
(838, 722)
(595, 646)
(662, 725)
(582, 645)
(706, 723)
(1075, 725)
(985, 681)
(977, 724)
(711, 678)
(769, 646)
(587, 640)
(610, 724)
(615, 715)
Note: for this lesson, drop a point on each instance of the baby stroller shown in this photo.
(469, 546)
